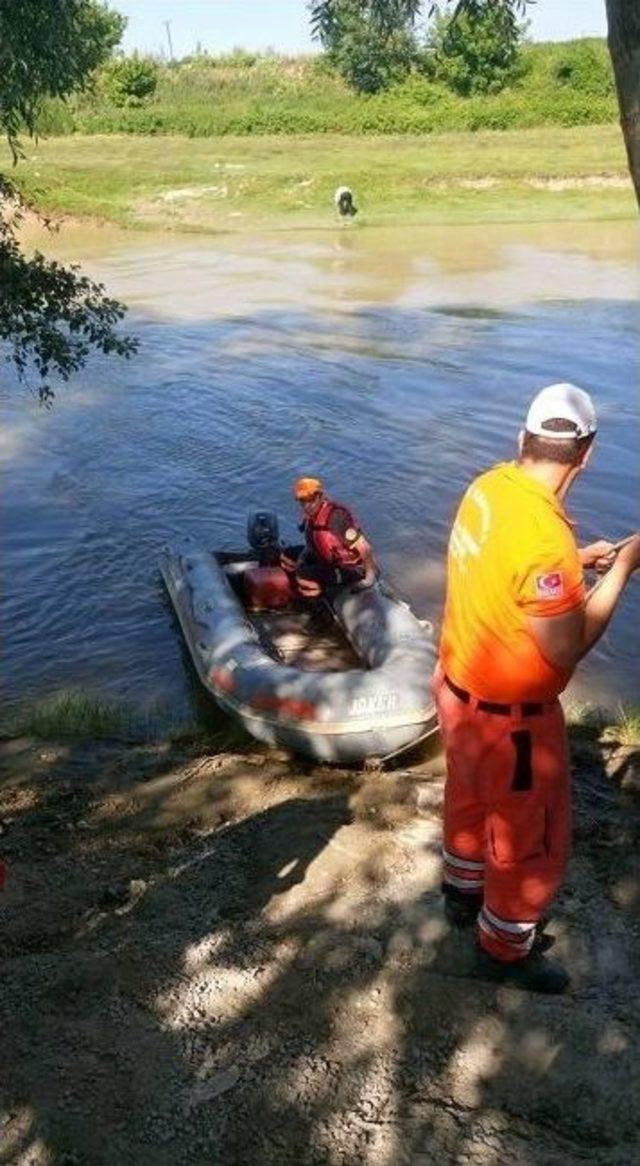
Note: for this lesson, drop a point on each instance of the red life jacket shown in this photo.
(330, 547)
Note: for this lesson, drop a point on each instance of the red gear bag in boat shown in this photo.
(268, 588)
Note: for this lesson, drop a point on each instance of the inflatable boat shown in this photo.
(342, 679)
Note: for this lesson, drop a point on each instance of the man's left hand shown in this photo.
(287, 561)
(599, 555)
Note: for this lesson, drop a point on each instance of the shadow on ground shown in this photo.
(232, 960)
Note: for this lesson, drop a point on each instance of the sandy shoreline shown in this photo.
(241, 958)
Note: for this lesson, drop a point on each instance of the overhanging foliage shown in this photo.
(51, 316)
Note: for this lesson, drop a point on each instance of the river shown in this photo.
(395, 363)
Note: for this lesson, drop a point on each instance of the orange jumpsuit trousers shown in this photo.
(507, 814)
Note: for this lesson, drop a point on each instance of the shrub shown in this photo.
(369, 62)
(476, 54)
(418, 90)
(55, 118)
(369, 55)
(129, 80)
(281, 96)
(239, 59)
(584, 66)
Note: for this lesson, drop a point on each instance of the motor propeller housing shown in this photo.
(263, 535)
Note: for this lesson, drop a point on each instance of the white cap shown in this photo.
(564, 401)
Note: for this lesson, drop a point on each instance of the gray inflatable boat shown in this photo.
(340, 681)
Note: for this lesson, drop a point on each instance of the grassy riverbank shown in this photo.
(75, 715)
(565, 84)
(237, 183)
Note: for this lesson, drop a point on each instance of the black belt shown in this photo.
(528, 709)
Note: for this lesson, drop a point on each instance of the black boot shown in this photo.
(460, 908)
(542, 941)
(535, 973)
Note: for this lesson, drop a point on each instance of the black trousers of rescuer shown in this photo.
(309, 566)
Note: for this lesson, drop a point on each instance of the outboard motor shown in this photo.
(263, 536)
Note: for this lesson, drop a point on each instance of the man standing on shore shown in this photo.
(517, 621)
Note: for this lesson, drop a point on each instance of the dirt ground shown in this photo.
(235, 960)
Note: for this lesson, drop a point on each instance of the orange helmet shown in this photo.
(305, 488)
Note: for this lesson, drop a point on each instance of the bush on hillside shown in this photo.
(476, 54)
(56, 118)
(129, 80)
(584, 65)
(368, 56)
(393, 112)
(306, 95)
(369, 65)
(239, 59)
(418, 90)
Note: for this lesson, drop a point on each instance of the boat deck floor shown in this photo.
(307, 638)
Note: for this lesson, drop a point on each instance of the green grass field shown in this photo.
(564, 84)
(235, 183)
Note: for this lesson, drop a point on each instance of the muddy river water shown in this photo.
(395, 363)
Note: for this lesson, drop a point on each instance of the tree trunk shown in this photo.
(623, 18)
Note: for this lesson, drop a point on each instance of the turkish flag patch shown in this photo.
(550, 585)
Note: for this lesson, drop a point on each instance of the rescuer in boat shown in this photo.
(336, 551)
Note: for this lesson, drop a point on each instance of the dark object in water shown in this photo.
(344, 204)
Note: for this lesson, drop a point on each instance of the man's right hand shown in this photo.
(564, 639)
(629, 554)
(598, 555)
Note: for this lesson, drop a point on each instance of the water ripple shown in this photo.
(395, 406)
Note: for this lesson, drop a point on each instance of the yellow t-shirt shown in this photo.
(512, 554)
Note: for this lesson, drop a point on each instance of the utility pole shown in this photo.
(167, 25)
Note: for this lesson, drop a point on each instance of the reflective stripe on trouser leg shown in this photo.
(514, 939)
(464, 812)
(464, 874)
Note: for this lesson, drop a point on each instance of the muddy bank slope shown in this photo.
(235, 959)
